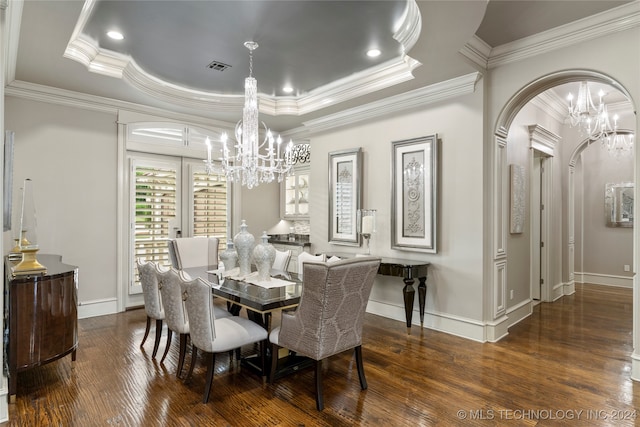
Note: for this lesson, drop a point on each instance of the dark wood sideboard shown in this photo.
(41, 317)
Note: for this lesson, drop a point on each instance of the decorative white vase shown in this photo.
(244, 242)
(229, 257)
(263, 256)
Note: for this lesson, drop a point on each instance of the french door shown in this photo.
(170, 197)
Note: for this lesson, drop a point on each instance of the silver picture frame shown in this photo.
(618, 202)
(414, 194)
(345, 196)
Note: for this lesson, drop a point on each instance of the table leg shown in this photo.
(409, 295)
(422, 296)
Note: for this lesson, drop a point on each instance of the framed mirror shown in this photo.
(345, 178)
(618, 202)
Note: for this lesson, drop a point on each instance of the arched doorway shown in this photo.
(499, 199)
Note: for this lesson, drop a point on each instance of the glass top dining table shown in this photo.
(252, 297)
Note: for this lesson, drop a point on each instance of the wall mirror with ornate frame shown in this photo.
(618, 200)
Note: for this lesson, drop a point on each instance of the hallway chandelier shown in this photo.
(254, 162)
(618, 142)
(593, 120)
(585, 113)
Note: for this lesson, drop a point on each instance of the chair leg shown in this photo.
(210, 370)
(166, 349)
(319, 396)
(275, 349)
(146, 331)
(194, 355)
(363, 380)
(183, 353)
(156, 344)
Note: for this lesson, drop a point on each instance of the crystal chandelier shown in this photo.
(618, 142)
(584, 112)
(594, 122)
(254, 161)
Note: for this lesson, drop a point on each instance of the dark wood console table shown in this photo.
(409, 271)
(41, 314)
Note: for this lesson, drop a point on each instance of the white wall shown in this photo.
(455, 277)
(70, 154)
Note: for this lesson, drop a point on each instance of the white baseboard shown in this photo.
(604, 279)
(519, 312)
(454, 325)
(97, 308)
(635, 366)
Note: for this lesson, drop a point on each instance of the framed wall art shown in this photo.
(345, 178)
(517, 200)
(414, 194)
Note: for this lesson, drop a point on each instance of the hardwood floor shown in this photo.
(568, 364)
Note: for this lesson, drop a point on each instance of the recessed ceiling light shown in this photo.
(115, 35)
(287, 89)
(372, 53)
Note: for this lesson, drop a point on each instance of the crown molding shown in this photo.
(477, 51)
(87, 51)
(553, 105)
(13, 23)
(409, 26)
(413, 99)
(608, 22)
(41, 93)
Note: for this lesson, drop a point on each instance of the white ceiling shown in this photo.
(316, 46)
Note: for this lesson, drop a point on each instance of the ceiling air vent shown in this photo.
(218, 66)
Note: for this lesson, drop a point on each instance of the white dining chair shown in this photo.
(281, 262)
(306, 256)
(152, 301)
(212, 334)
(194, 252)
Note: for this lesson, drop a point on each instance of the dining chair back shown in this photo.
(212, 334)
(329, 318)
(307, 257)
(193, 251)
(170, 284)
(152, 301)
(281, 262)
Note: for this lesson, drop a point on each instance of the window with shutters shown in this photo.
(170, 193)
(210, 206)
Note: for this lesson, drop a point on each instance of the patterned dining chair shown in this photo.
(152, 301)
(329, 318)
(214, 335)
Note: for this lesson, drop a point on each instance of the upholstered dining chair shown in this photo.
(170, 284)
(152, 301)
(307, 257)
(186, 252)
(214, 335)
(329, 318)
(281, 262)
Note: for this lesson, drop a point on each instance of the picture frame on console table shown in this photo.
(345, 193)
(414, 194)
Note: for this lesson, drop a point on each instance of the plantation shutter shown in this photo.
(210, 206)
(155, 207)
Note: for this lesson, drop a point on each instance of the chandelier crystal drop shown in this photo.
(255, 161)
